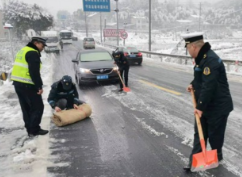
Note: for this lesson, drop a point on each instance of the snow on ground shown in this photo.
(20, 155)
(237, 34)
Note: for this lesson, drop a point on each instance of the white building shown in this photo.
(140, 22)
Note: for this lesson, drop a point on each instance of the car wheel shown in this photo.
(140, 63)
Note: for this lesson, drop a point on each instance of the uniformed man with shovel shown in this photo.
(123, 66)
(212, 94)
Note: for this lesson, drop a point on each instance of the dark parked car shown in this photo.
(95, 66)
(131, 53)
(74, 38)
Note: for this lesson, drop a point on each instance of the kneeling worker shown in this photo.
(64, 95)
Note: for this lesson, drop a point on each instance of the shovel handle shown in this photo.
(199, 126)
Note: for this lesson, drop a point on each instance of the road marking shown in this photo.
(161, 88)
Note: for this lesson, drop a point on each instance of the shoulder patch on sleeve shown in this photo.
(206, 71)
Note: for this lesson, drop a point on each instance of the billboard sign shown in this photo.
(112, 32)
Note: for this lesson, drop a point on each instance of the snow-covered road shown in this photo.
(147, 132)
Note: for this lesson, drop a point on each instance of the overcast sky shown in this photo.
(55, 5)
(71, 5)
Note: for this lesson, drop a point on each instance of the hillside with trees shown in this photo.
(25, 16)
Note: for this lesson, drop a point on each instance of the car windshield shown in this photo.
(131, 49)
(95, 56)
(66, 34)
(52, 40)
(89, 39)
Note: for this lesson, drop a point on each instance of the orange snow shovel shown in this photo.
(126, 89)
(206, 159)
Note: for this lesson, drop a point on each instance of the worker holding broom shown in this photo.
(123, 66)
(212, 96)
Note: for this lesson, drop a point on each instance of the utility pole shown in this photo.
(187, 32)
(149, 25)
(101, 36)
(117, 10)
(124, 30)
(86, 24)
(200, 9)
(104, 28)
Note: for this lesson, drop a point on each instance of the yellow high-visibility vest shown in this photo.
(20, 70)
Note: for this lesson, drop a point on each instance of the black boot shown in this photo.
(40, 132)
(220, 156)
(120, 90)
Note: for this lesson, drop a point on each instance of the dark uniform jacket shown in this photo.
(121, 60)
(57, 92)
(210, 83)
(33, 60)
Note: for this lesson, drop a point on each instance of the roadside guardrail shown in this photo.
(231, 65)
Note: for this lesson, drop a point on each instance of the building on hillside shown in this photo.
(140, 22)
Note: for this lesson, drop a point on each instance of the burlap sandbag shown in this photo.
(71, 116)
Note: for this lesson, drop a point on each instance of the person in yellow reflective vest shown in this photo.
(28, 85)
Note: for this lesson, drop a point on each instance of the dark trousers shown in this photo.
(213, 130)
(32, 107)
(125, 72)
(64, 104)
